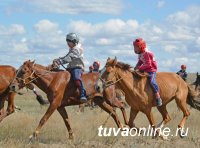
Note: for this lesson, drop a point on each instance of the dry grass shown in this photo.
(16, 128)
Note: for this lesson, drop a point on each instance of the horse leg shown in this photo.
(166, 118)
(133, 114)
(10, 108)
(11, 105)
(124, 115)
(106, 107)
(3, 114)
(53, 106)
(152, 123)
(65, 117)
(120, 105)
(186, 113)
(81, 108)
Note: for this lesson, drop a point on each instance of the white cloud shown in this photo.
(160, 3)
(111, 28)
(182, 60)
(77, 7)
(157, 30)
(174, 41)
(20, 47)
(46, 26)
(103, 41)
(14, 29)
(189, 17)
(198, 42)
(170, 48)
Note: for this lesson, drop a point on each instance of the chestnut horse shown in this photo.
(139, 94)
(62, 92)
(7, 75)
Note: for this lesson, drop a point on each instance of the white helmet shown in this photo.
(72, 37)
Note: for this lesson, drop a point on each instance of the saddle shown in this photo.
(140, 74)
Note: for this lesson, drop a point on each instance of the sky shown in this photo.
(37, 29)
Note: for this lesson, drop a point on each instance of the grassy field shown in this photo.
(15, 129)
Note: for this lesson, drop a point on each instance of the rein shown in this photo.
(107, 83)
(31, 77)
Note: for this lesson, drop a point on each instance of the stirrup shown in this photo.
(83, 99)
(158, 102)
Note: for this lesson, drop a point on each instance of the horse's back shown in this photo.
(170, 76)
(7, 74)
(170, 82)
(7, 69)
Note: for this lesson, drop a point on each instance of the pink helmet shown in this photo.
(183, 67)
(139, 42)
(96, 63)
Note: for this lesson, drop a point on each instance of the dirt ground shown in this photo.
(15, 129)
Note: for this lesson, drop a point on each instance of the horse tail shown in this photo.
(42, 101)
(190, 99)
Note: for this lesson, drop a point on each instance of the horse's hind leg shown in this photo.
(65, 117)
(106, 107)
(166, 118)
(124, 115)
(183, 106)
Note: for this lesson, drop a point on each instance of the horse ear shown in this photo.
(108, 59)
(115, 61)
(32, 63)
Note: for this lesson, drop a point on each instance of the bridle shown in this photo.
(23, 80)
(109, 82)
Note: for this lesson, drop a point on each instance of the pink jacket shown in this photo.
(147, 62)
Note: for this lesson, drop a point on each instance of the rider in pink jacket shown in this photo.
(147, 63)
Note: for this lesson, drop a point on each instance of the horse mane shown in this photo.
(123, 66)
(41, 67)
(48, 68)
(127, 67)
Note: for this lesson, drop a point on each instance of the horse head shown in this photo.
(108, 75)
(113, 71)
(24, 76)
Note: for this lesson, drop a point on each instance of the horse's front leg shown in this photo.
(123, 110)
(53, 106)
(133, 114)
(109, 109)
(65, 117)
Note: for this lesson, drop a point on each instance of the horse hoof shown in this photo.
(30, 139)
(182, 134)
(165, 138)
(71, 136)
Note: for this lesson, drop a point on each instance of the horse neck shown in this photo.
(43, 77)
(126, 79)
(41, 67)
(128, 82)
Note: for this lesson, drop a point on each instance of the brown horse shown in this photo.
(62, 92)
(7, 76)
(139, 94)
(119, 95)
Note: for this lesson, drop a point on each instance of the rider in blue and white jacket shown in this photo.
(74, 58)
